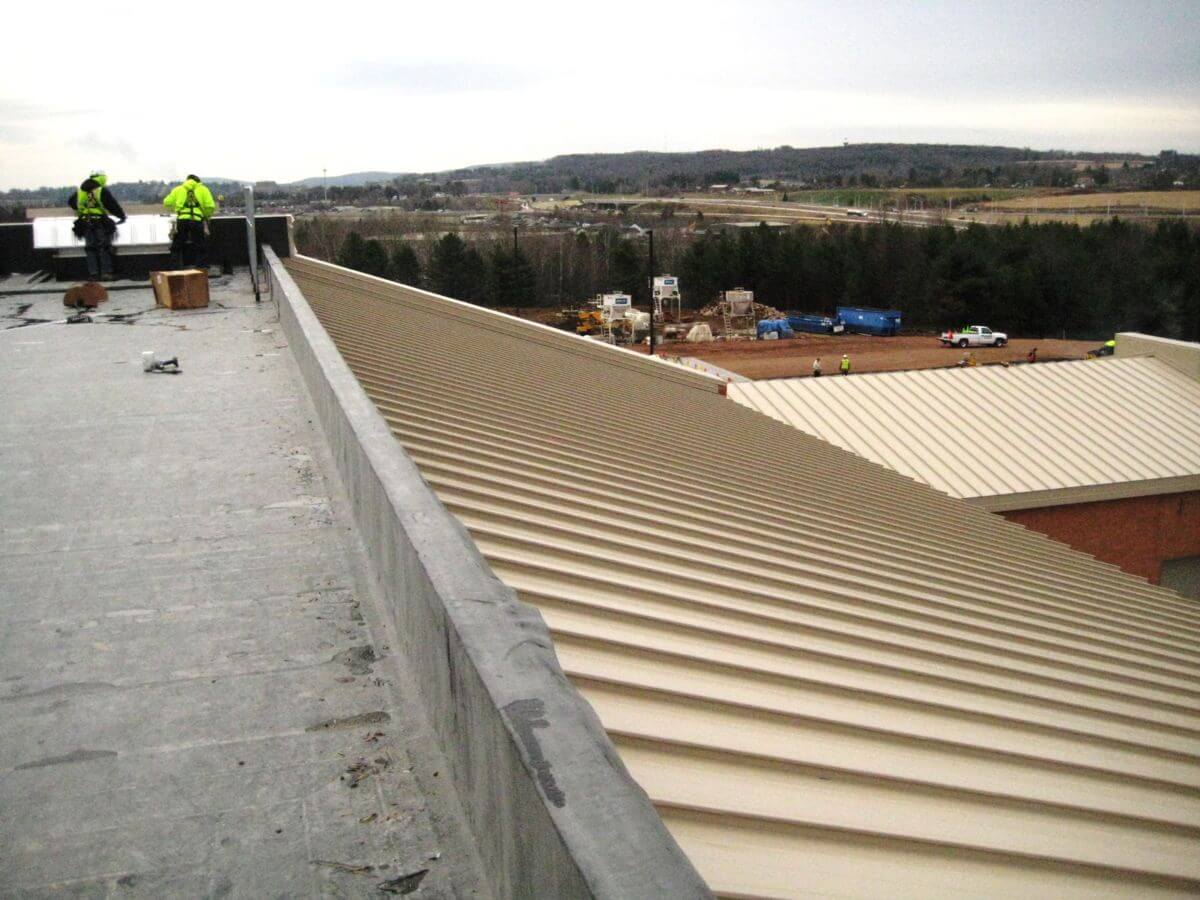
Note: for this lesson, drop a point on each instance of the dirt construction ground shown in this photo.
(793, 357)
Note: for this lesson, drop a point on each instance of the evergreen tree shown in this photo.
(627, 269)
(512, 282)
(406, 268)
(364, 256)
(474, 276)
(375, 259)
(352, 251)
(448, 272)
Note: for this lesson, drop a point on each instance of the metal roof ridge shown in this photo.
(483, 317)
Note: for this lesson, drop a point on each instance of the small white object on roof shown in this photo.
(54, 232)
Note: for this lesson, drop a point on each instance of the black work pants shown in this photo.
(189, 249)
(97, 246)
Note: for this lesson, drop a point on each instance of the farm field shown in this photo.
(1176, 201)
(793, 358)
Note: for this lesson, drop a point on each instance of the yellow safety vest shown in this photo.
(88, 203)
(191, 206)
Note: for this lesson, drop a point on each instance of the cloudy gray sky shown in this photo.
(266, 92)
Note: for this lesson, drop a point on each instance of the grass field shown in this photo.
(1174, 201)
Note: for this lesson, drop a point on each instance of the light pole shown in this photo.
(650, 235)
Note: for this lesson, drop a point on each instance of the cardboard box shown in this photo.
(184, 289)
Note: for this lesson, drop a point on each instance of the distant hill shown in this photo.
(926, 165)
(794, 162)
(351, 179)
(917, 163)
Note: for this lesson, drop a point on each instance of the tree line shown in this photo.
(501, 277)
(1042, 280)
(1031, 280)
(866, 165)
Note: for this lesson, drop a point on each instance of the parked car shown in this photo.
(974, 336)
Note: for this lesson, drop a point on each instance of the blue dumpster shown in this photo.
(863, 320)
(813, 324)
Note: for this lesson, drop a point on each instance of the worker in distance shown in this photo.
(193, 205)
(94, 203)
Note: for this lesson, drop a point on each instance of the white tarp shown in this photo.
(54, 232)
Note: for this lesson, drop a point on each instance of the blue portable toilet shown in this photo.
(864, 320)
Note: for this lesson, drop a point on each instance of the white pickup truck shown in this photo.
(974, 336)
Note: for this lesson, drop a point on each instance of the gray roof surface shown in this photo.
(190, 659)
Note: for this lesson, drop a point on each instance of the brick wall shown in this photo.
(1136, 533)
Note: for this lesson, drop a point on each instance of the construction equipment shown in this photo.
(612, 317)
(667, 299)
(590, 321)
(737, 313)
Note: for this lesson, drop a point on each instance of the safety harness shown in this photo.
(191, 207)
(89, 203)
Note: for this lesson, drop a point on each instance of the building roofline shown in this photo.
(1007, 438)
(493, 321)
(1090, 493)
(1182, 356)
(525, 748)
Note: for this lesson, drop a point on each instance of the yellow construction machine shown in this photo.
(591, 321)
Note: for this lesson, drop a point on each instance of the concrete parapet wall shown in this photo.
(550, 804)
(227, 245)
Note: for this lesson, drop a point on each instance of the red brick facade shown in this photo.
(1136, 533)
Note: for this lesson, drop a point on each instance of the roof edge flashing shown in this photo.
(1088, 493)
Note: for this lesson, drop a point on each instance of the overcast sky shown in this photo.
(250, 91)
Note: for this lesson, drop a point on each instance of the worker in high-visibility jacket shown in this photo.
(93, 203)
(193, 205)
(844, 367)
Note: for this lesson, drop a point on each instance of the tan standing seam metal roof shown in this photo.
(1008, 438)
(829, 678)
